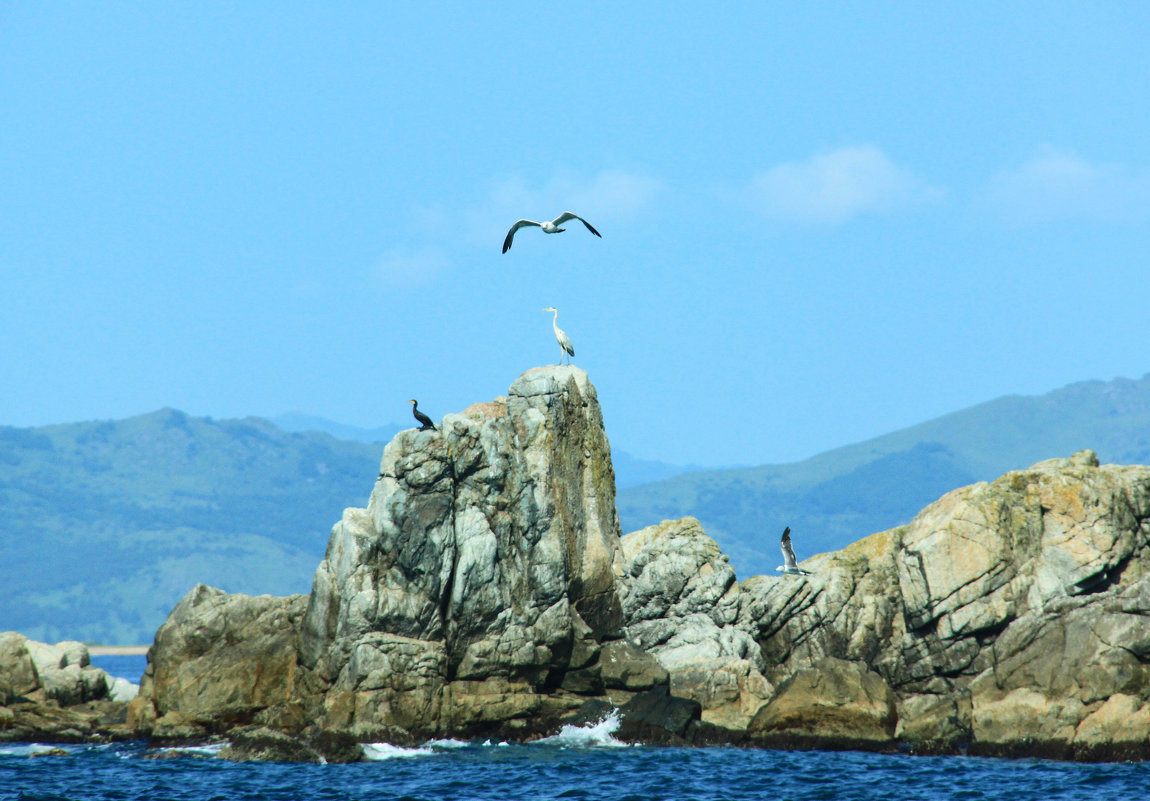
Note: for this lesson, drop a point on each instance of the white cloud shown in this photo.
(1059, 185)
(611, 196)
(837, 186)
(406, 267)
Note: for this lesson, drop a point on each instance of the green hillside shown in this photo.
(107, 524)
(843, 495)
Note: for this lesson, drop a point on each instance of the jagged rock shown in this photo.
(681, 603)
(482, 570)
(218, 660)
(1003, 614)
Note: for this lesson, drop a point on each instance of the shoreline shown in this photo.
(117, 650)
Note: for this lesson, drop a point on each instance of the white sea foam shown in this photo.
(593, 735)
(446, 744)
(28, 749)
(377, 752)
(208, 749)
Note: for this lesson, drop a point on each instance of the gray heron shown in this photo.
(561, 336)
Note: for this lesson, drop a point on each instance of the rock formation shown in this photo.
(476, 593)
(53, 693)
(1007, 618)
(485, 590)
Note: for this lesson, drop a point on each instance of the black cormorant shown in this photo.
(425, 423)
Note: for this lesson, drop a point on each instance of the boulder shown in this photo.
(219, 660)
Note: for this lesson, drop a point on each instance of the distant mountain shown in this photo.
(842, 495)
(298, 422)
(105, 525)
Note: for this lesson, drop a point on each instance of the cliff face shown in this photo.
(485, 589)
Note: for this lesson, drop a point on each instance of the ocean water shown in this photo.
(577, 763)
(125, 666)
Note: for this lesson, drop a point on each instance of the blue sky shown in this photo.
(820, 221)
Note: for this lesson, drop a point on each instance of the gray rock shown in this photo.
(220, 657)
(681, 603)
(834, 700)
(17, 670)
(50, 693)
(625, 666)
(486, 557)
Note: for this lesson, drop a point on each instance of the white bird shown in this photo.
(561, 336)
(789, 564)
(548, 227)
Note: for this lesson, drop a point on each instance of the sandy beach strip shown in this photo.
(117, 650)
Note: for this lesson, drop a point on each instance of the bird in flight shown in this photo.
(425, 423)
(551, 227)
(561, 337)
(789, 564)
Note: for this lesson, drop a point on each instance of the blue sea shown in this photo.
(577, 763)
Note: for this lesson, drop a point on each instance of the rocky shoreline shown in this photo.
(486, 591)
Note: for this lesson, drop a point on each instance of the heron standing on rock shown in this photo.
(425, 423)
(561, 336)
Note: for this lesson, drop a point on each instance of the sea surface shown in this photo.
(577, 763)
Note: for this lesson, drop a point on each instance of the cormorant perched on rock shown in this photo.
(551, 227)
(425, 423)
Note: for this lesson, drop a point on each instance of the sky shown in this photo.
(820, 222)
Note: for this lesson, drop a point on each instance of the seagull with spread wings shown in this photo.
(551, 227)
(790, 565)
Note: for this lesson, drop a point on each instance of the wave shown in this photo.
(447, 744)
(378, 752)
(593, 735)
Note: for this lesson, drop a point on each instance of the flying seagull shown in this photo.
(548, 227)
(789, 564)
(561, 335)
(425, 423)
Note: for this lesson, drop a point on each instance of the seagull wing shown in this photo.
(567, 215)
(788, 552)
(511, 234)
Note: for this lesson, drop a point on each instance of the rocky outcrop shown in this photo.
(53, 693)
(476, 594)
(1007, 618)
(485, 591)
